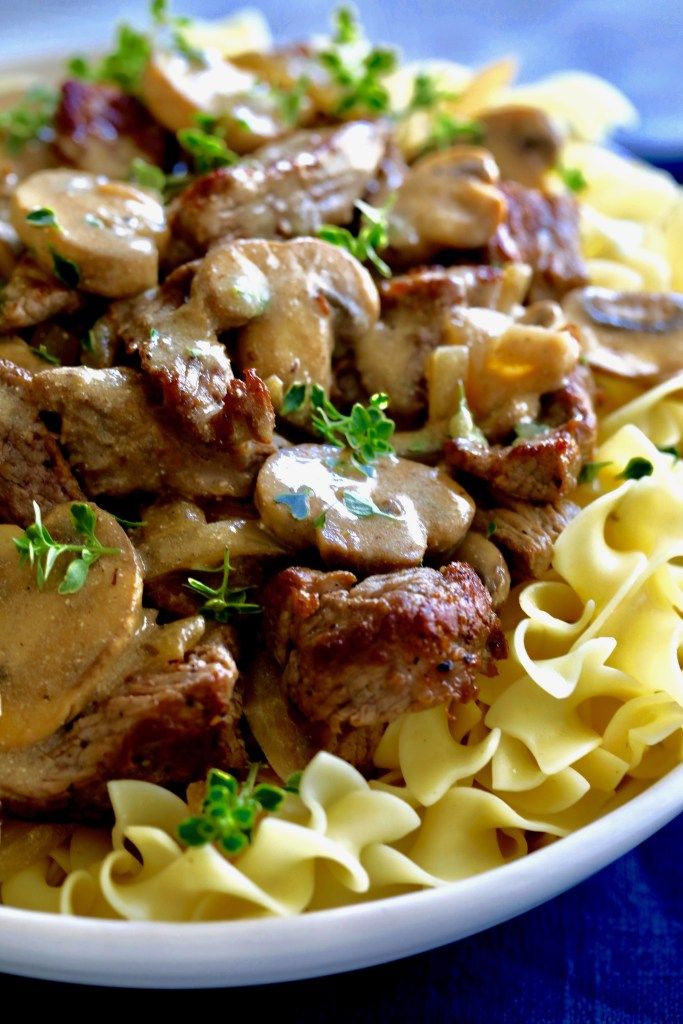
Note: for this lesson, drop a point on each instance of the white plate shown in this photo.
(284, 949)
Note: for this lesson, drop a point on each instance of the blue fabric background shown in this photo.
(607, 952)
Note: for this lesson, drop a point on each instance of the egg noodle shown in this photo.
(586, 712)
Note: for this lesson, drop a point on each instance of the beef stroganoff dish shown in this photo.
(341, 411)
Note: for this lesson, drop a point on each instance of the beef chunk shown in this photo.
(32, 468)
(358, 655)
(543, 468)
(285, 189)
(101, 129)
(119, 440)
(167, 726)
(526, 533)
(542, 230)
(32, 295)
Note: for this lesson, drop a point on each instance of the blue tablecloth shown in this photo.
(608, 952)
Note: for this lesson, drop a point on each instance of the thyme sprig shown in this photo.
(38, 548)
(373, 235)
(222, 602)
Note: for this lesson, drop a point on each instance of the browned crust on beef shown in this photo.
(543, 468)
(542, 230)
(32, 295)
(32, 468)
(100, 129)
(167, 727)
(359, 655)
(284, 190)
(526, 534)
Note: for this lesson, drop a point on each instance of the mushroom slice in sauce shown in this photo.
(525, 142)
(311, 496)
(59, 651)
(630, 334)
(103, 236)
(449, 200)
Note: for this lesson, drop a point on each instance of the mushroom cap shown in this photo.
(524, 140)
(630, 334)
(419, 509)
(448, 200)
(111, 230)
(44, 683)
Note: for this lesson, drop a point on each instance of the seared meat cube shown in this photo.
(526, 533)
(166, 726)
(542, 468)
(360, 654)
(101, 129)
(119, 440)
(32, 468)
(32, 295)
(542, 230)
(286, 189)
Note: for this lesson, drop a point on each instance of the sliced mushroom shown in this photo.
(488, 563)
(630, 334)
(390, 520)
(449, 200)
(524, 141)
(176, 89)
(105, 237)
(44, 683)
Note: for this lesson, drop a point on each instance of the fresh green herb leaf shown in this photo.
(194, 352)
(447, 130)
(290, 100)
(125, 65)
(38, 548)
(44, 217)
(153, 334)
(366, 431)
(129, 524)
(373, 235)
(590, 470)
(670, 449)
(293, 783)
(636, 468)
(427, 93)
(88, 342)
(360, 82)
(208, 152)
(146, 174)
(527, 429)
(294, 399)
(30, 119)
(65, 270)
(222, 602)
(363, 507)
(79, 67)
(230, 811)
(491, 528)
(49, 357)
(297, 502)
(320, 520)
(573, 177)
(462, 423)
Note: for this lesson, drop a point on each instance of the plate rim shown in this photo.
(155, 954)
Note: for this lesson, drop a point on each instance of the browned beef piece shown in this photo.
(357, 655)
(102, 130)
(526, 533)
(32, 468)
(119, 440)
(32, 295)
(542, 230)
(543, 468)
(284, 190)
(167, 726)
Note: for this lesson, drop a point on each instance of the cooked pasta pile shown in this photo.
(586, 712)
